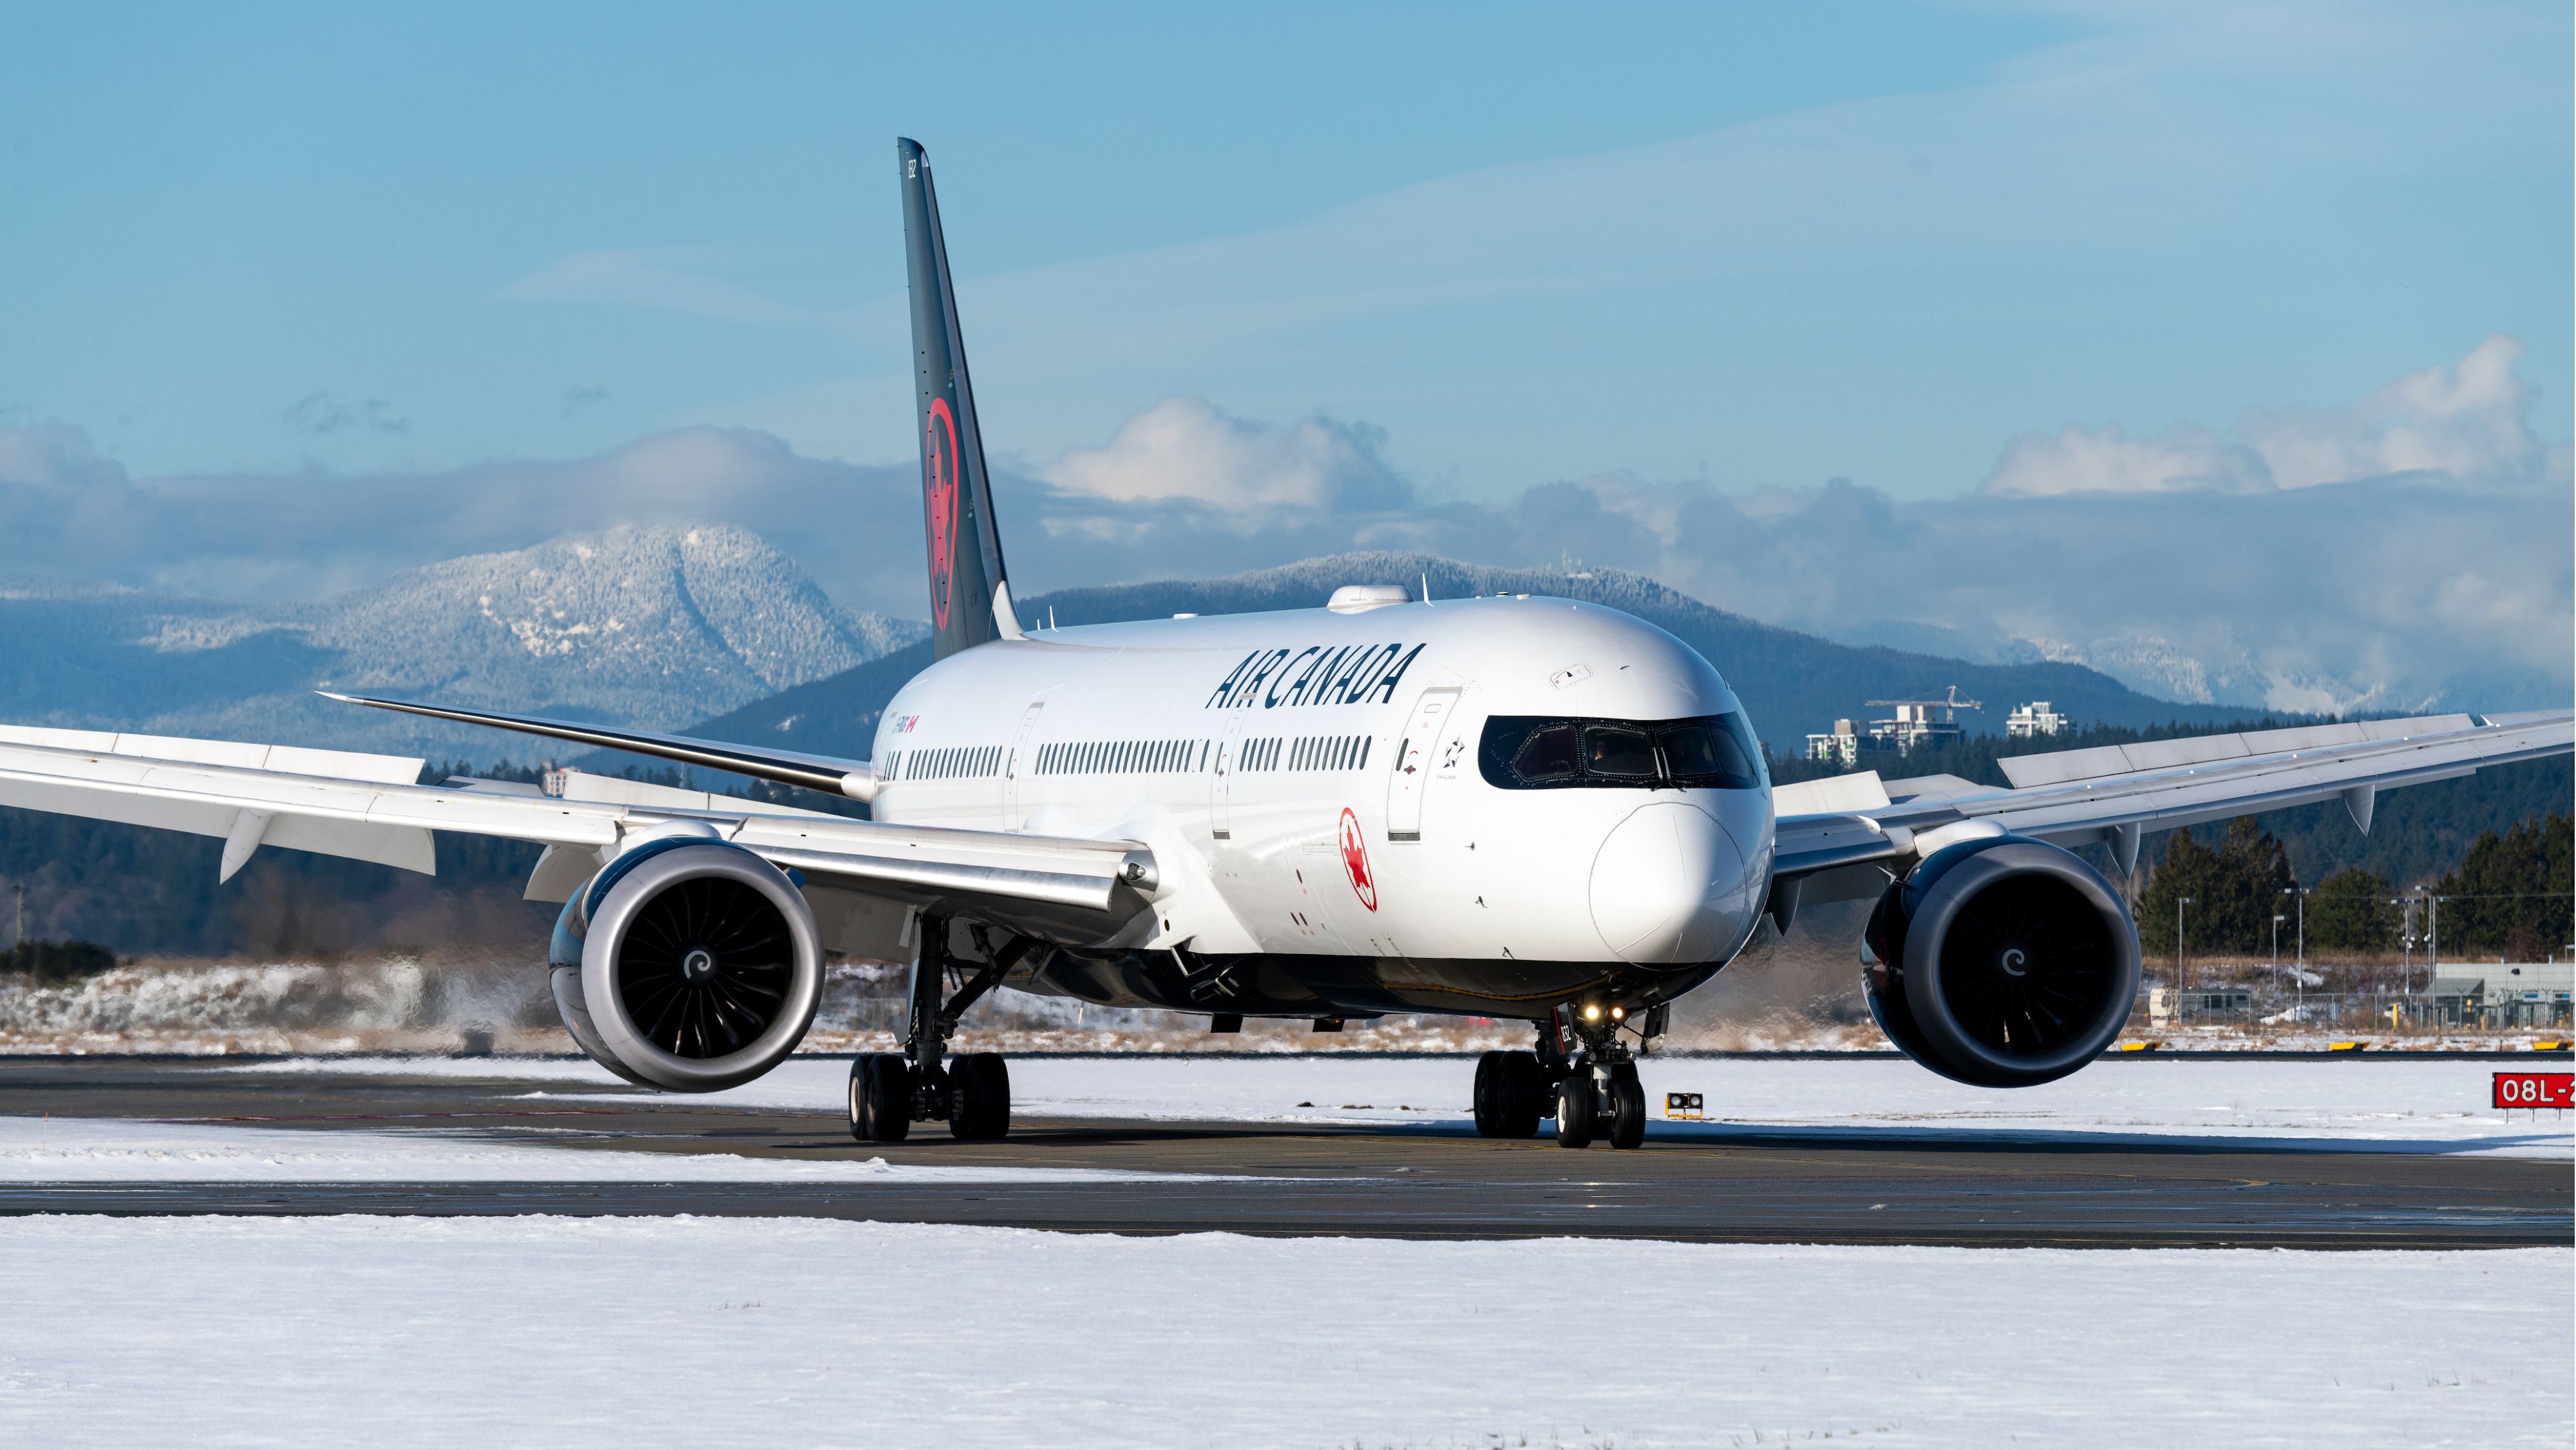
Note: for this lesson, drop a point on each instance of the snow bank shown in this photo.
(615, 1332)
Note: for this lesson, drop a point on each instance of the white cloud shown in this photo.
(1186, 449)
(2186, 460)
(2468, 423)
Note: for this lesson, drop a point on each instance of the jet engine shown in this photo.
(2002, 962)
(688, 964)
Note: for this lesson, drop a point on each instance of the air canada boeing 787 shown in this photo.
(1523, 807)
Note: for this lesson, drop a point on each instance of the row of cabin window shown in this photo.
(949, 762)
(1121, 757)
(1307, 752)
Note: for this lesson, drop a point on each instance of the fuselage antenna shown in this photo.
(1426, 586)
(1050, 619)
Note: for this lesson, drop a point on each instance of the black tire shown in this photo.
(979, 1097)
(1574, 1110)
(1627, 1107)
(1492, 1099)
(859, 1098)
(881, 1090)
(1526, 1096)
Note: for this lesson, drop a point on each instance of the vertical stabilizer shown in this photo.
(970, 601)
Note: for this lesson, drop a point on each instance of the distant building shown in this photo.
(2504, 994)
(1917, 723)
(1841, 747)
(1913, 726)
(2028, 722)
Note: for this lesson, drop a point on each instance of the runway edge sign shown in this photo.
(2535, 1090)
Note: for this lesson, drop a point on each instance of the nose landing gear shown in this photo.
(1582, 1075)
(889, 1092)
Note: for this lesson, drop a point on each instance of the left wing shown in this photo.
(1833, 832)
(367, 807)
(828, 774)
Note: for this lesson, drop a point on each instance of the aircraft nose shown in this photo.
(1669, 886)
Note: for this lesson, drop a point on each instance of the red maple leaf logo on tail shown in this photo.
(939, 454)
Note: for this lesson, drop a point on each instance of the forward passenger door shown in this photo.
(1416, 756)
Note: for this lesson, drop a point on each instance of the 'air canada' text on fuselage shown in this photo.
(1315, 675)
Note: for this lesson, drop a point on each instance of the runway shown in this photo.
(1703, 1182)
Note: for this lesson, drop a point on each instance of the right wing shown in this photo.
(367, 807)
(1836, 834)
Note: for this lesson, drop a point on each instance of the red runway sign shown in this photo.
(2535, 1090)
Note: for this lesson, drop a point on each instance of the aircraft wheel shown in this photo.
(1574, 1110)
(1627, 1107)
(880, 1098)
(979, 1097)
(1524, 1093)
(1492, 1101)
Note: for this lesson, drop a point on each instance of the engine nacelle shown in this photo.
(688, 964)
(2002, 962)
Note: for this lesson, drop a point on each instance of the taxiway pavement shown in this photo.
(1704, 1183)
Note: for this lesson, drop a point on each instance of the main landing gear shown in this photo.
(1581, 1075)
(889, 1092)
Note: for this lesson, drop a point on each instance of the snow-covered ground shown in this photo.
(2389, 1104)
(96, 1150)
(620, 1332)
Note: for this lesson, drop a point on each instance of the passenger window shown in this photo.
(1549, 755)
(1618, 753)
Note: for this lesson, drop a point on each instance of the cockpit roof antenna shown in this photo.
(1426, 586)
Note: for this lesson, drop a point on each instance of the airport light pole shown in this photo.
(2432, 945)
(2179, 903)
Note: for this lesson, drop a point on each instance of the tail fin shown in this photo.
(970, 601)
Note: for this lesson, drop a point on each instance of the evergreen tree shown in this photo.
(2511, 893)
(2234, 888)
(2351, 912)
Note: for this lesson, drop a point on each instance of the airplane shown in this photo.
(1512, 807)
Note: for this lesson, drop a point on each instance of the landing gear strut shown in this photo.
(889, 1092)
(1581, 1075)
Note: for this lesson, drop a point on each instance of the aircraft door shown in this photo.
(1221, 783)
(1022, 763)
(1415, 756)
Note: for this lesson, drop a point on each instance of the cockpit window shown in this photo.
(1536, 752)
(1618, 752)
(1547, 754)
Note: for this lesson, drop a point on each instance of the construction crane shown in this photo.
(1949, 705)
(1913, 726)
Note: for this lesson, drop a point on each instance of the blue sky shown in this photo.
(1752, 244)
(2224, 346)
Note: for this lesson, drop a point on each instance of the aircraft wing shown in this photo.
(369, 808)
(1832, 833)
(828, 774)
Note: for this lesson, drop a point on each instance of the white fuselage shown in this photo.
(1309, 780)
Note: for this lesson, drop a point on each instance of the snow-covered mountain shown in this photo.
(655, 626)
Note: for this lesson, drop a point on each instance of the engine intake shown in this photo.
(688, 964)
(2003, 962)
